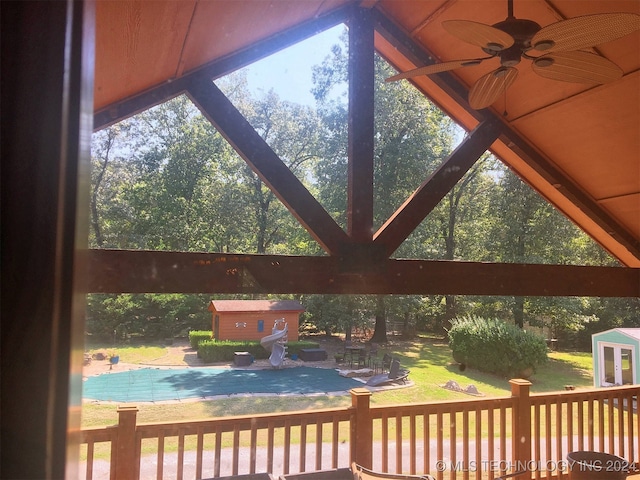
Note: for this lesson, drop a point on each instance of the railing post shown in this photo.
(125, 448)
(521, 423)
(362, 428)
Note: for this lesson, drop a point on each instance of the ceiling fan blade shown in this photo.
(585, 31)
(437, 68)
(479, 34)
(577, 67)
(490, 86)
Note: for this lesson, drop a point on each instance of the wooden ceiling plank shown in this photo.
(361, 127)
(417, 55)
(128, 271)
(572, 192)
(127, 107)
(263, 160)
(405, 220)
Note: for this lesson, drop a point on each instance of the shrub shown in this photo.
(197, 336)
(493, 346)
(223, 351)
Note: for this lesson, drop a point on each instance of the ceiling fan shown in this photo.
(556, 51)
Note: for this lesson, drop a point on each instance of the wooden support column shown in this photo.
(47, 112)
(361, 118)
(125, 449)
(362, 428)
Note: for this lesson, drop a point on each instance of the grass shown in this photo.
(428, 358)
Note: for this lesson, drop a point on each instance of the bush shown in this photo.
(492, 346)
(223, 351)
(198, 336)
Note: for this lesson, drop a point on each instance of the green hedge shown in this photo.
(493, 346)
(222, 351)
(197, 336)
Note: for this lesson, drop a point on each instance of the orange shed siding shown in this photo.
(243, 324)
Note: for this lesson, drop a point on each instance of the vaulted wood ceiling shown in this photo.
(577, 145)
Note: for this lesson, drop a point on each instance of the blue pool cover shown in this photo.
(154, 384)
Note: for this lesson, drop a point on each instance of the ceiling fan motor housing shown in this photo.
(522, 31)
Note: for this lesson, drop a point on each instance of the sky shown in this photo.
(288, 72)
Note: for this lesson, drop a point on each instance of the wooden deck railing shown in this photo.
(478, 438)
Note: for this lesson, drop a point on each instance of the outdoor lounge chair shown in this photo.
(361, 473)
(395, 375)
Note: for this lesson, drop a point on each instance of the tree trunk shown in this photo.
(380, 332)
(518, 311)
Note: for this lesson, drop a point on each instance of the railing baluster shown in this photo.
(548, 436)
(398, 421)
(253, 445)
(287, 445)
(465, 444)
(581, 424)
(452, 443)
(89, 471)
(426, 442)
(199, 450)
(318, 445)
(412, 443)
(601, 433)
(236, 450)
(558, 418)
(160, 465)
(478, 442)
(335, 439)
(491, 439)
(217, 453)
(270, 444)
(385, 442)
(439, 442)
(591, 423)
(503, 439)
(180, 466)
(303, 445)
(537, 436)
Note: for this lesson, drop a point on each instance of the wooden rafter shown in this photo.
(116, 271)
(267, 165)
(400, 225)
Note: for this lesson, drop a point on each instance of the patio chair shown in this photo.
(372, 358)
(396, 374)
(361, 473)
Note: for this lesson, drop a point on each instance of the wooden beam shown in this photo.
(264, 161)
(400, 225)
(456, 90)
(122, 271)
(361, 127)
(167, 90)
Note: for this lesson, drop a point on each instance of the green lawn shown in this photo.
(428, 358)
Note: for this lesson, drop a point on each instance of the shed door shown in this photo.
(617, 365)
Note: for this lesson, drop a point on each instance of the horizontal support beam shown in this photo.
(136, 271)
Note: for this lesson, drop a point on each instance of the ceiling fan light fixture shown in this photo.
(493, 48)
(500, 72)
(544, 45)
(544, 62)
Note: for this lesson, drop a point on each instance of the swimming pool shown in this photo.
(156, 384)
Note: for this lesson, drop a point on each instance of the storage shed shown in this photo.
(616, 357)
(253, 319)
